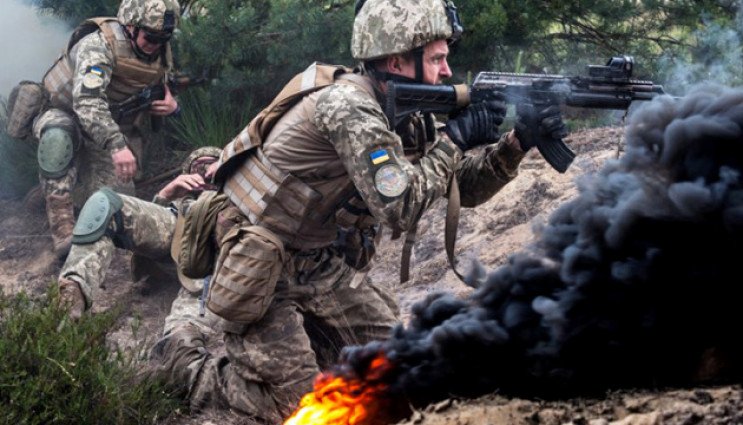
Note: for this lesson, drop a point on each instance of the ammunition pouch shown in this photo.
(250, 262)
(25, 102)
(92, 223)
(193, 248)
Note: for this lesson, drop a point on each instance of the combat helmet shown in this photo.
(154, 15)
(191, 165)
(388, 27)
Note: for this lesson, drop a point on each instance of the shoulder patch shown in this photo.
(390, 180)
(93, 78)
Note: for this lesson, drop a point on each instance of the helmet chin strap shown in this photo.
(418, 55)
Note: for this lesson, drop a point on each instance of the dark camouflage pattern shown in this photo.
(146, 13)
(388, 27)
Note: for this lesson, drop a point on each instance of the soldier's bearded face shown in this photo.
(435, 66)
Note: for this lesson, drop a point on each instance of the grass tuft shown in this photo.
(57, 372)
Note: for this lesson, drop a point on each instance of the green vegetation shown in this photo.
(55, 372)
(202, 124)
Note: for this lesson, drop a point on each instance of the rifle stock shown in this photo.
(607, 86)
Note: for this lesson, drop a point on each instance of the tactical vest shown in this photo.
(130, 74)
(301, 212)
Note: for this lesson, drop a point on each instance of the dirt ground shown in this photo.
(490, 233)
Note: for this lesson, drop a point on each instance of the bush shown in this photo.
(53, 371)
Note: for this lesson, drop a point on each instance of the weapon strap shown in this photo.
(450, 234)
(407, 250)
(452, 223)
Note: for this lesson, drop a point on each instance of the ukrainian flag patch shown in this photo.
(379, 156)
(97, 71)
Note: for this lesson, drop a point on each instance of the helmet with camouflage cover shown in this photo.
(388, 27)
(156, 15)
(192, 164)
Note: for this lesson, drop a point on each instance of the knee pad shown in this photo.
(95, 216)
(56, 148)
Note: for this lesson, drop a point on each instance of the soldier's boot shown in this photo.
(71, 298)
(61, 215)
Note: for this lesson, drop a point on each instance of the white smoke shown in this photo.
(717, 58)
(29, 43)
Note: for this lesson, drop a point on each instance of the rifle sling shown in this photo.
(452, 223)
(450, 234)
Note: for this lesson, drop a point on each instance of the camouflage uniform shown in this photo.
(99, 69)
(272, 363)
(329, 162)
(146, 229)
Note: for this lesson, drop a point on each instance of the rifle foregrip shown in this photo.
(557, 154)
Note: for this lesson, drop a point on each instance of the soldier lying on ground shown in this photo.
(109, 220)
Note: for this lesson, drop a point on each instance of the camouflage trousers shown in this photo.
(91, 166)
(268, 367)
(147, 230)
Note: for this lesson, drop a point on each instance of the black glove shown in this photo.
(477, 124)
(533, 127)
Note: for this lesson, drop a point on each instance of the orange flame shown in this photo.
(338, 401)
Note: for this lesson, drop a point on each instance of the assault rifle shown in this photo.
(607, 86)
(142, 100)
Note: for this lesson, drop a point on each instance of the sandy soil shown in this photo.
(489, 233)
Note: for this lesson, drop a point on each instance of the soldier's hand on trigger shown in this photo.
(477, 124)
(125, 164)
(182, 185)
(538, 125)
(166, 106)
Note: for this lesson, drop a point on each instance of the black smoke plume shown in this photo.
(631, 284)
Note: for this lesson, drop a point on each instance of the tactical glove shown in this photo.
(538, 126)
(477, 124)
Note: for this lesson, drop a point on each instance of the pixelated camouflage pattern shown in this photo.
(388, 27)
(147, 230)
(209, 151)
(147, 13)
(267, 369)
(482, 176)
(92, 107)
(91, 167)
(269, 365)
(354, 123)
(185, 310)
